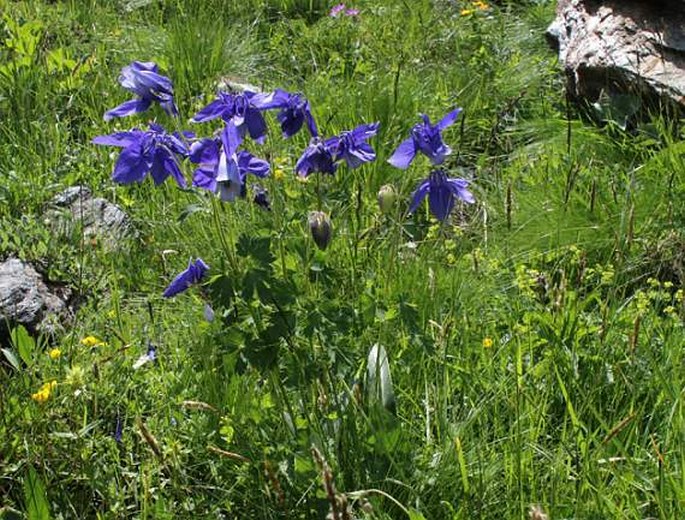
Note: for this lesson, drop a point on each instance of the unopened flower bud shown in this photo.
(320, 226)
(386, 198)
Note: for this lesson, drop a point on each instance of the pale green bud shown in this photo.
(386, 198)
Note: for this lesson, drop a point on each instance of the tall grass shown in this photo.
(534, 340)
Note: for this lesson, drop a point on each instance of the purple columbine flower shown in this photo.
(442, 192)
(239, 109)
(295, 111)
(142, 78)
(222, 168)
(153, 151)
(352, 145)
(427, 139)
(195, 272)
(317, 157)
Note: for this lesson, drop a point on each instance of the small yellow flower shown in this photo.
(91, 341)
(466, 12)
(40, 396)
(487, 342)
(43, 394)
(279, 174)
(55, 353)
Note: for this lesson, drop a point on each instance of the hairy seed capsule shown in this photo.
(320, 227)
(386, 198)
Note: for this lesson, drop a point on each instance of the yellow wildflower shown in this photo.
(466, 12)
(278, 174)
(91, 341)
(487, 342)
(55, 353)
(43, 394)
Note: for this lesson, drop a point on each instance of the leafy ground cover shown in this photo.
(533, 338)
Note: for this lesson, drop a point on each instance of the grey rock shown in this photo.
(619, 46)
(98, 217)
(25, 299)
(237, 85)
(69, 196)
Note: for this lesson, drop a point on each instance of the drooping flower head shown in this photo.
(261, 197)
(222, 168)
(295, 111)
(427, 139)
(238, 109)
(142, 78)
(352, 146)
(152, 151)
(442, 192)
(317, 157)
(195, 272)
(320, 228)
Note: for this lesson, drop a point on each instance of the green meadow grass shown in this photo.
(534, 340)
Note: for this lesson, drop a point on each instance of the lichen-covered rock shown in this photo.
(617, 46)
(25, 299)
(99, 217)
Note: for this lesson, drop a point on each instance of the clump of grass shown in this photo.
(534, 339)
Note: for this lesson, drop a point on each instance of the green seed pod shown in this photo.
(386, 198)
(321, 228)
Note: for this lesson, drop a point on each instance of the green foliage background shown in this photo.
(571, 262)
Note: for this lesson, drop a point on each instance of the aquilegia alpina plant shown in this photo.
(294, 111)
(317, 157)
(222, 169)
(194, 273)
(152, 151)
(427, 139)
(442, 192)
(143, 79)
(352, 146)
(322, 155)
(239, 109)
